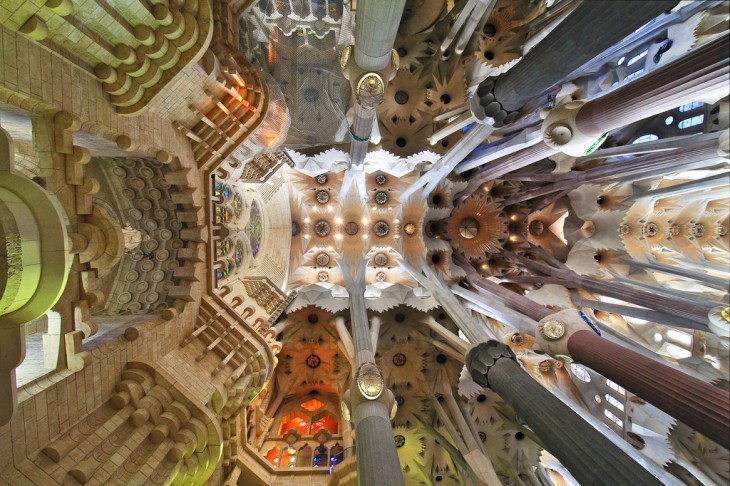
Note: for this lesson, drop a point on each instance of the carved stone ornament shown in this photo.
(551, 330)
(482, 357)
(322, 228)
(323, 197)
(369, 381)
(381, 228)
(381, 259)
(352, 228)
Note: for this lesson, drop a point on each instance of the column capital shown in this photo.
(480, 359)
(560, 130)
(554, 331)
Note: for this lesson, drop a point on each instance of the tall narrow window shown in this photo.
(649, 137)
(633, 75)
(614, 402)
(691, 122)
(616, 387)
(637, 58)
(580, 373)
(613, 418)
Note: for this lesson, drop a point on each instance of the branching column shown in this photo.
(376, 27)
(700, 74)
(589, 455)
(594, 26)
(703, 74)
(377, 457)
(702, 154)
(520, 303)
(696, 312)
(699, 405)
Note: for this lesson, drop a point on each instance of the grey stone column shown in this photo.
(377, 457)
(376, 24)
(590, 456)
(362, 128)
(594, 26)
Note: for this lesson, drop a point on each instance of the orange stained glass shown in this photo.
(297, 421)
(288, 459)
(327, 422)
(312, 405)
(273, 456)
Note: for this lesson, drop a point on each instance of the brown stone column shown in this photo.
(696, 75)
(700, 405)
(508, 163)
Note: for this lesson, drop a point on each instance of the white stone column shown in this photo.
(376, 25)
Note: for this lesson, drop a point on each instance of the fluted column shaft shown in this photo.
(685, 308)
(699, 74)
(362, 128)
(509, 163)
(644, 167)
(594, 25)
(512, 299)
(360, 330)
(377, 457)
(376, 27)
(703, 407)
(589, 455)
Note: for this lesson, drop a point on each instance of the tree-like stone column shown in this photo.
(703, 74)
(700, 405)
(370, 401)
(594, 26)
(700, 74)
(589, 455)
(376, 27)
